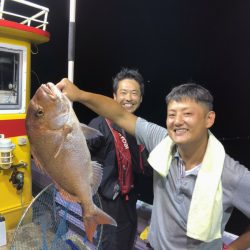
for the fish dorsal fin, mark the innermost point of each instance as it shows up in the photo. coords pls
(96, 177)
(66, 130)
(89, 132)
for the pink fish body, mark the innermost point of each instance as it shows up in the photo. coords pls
(58, 145)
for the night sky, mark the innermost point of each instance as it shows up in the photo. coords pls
(169, 42)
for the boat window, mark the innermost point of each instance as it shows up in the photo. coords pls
(12, 78)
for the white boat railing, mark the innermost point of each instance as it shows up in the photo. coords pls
(31, 14)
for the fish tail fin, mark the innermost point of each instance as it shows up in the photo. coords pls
(91, 222)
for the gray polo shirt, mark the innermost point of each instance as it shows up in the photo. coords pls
(173, 194)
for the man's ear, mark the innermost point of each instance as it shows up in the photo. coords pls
(210, 119)
(114, 96)
(141, 99)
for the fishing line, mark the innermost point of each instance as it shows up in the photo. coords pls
(36, 75)
(236, 138)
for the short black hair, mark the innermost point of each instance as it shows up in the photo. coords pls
(191, 91)
(126, 73)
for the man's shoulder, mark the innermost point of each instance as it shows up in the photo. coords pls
(99, 123)
(97, 118)
(149, 134)
(232, 165)
(141, 122)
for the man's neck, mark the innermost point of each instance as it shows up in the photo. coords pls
(192, 155)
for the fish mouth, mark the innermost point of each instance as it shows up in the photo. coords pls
(51, 90)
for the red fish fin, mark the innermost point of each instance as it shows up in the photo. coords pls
(96, 176)
(90, 132)
(90, 227)
(91, 223)
(66, 130)
(65, 195)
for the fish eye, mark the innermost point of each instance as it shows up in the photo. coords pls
(39, 112)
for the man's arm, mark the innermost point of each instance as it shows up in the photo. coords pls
(242, 242)
(100, 104)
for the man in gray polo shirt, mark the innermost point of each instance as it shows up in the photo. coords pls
(196, 184)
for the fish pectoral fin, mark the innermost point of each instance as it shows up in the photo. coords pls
(89, 132)
(96, 176)
(38, 164)
(59, 149)
(66, 130)
(91, 222)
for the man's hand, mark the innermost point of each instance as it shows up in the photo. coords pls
(102, 105)
(242, 242)
(69, 89)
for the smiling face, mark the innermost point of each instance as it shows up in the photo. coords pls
(128, 94)
(188, 121)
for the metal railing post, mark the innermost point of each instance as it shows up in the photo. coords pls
(1, 9)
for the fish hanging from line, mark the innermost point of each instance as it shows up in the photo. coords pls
(58, 146)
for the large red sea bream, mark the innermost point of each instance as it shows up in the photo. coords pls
(58, 145)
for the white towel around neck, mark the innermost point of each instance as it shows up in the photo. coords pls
(205, 213)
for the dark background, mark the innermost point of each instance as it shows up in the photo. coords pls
(169, 42)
